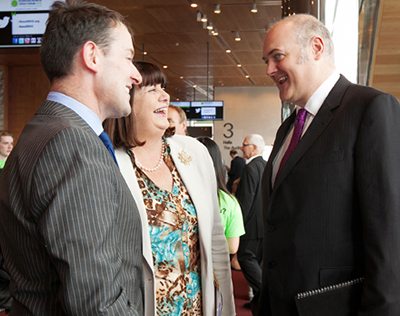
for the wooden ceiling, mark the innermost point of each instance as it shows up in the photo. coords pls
(169, 32)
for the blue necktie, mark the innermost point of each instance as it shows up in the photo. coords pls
(107, 142)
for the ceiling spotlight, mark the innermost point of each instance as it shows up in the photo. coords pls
(239, 65)
(209, 26)
(215, 32)
(254, 9)
(217, 9)
(247, 76)
(203, 18)
(228, 51)
(165, 66)
(237, 37)
(144, 53)
(177, 99)
(193, 5)
(181, 77)
(194, 86)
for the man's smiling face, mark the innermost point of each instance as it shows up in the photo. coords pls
(288, 64)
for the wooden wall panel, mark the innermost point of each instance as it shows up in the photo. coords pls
(3, 97)
(28, 88)
(386, 67)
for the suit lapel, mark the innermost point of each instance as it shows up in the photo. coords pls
(189, 173)
(126, 167)
(280, 137)
(318, 125)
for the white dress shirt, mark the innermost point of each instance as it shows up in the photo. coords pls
(312, 106)
(83, 111)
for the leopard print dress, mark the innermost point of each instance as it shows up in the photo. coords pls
(174, 239)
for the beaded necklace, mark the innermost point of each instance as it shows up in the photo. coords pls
(158, 164)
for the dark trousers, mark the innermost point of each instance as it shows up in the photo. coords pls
(249, 257)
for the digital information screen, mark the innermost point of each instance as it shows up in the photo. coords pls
(23, 22)
(207, 110)
(202, 110)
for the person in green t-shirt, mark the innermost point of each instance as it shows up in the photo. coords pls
(6, 145)
(229, 208)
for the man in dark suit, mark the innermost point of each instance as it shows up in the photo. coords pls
(236, 170)
(249, 195)
(70, 230)
(331, 205)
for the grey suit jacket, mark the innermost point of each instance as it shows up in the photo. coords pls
(70, 230)
(333, 214)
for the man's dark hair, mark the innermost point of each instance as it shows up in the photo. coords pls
(70, 25)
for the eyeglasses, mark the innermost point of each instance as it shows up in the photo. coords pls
(245, 145)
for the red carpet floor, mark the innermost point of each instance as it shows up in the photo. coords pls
(241, 293)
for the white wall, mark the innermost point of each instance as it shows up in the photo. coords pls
(341, 19)
(248, 110)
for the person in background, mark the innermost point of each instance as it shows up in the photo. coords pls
(249, 195)
(229, 208)
(331, 186)
(5, 297)
(6, 145)
(70, 230)
(236, 169)
(177, 119)
(173, 182)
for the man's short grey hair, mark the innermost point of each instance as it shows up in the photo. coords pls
(305, 27)
(257, 140)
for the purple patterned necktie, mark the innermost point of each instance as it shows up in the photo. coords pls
(298, 128)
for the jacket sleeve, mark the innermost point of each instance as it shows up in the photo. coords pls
(377, 158)
(80, 225)
(219, 246)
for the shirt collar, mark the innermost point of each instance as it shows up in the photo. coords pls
(83, 111)
(315, 102)
(252, 158)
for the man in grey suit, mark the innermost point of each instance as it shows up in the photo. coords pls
(331, 186)
(70, 230)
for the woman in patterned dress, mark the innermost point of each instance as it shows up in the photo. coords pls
(173, 182)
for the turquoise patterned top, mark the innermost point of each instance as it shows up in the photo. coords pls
(174, 239)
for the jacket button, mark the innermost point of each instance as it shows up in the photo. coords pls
(271, 228)
(271, 264)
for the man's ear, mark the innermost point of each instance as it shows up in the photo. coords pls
(90, 56)
(318, 47)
